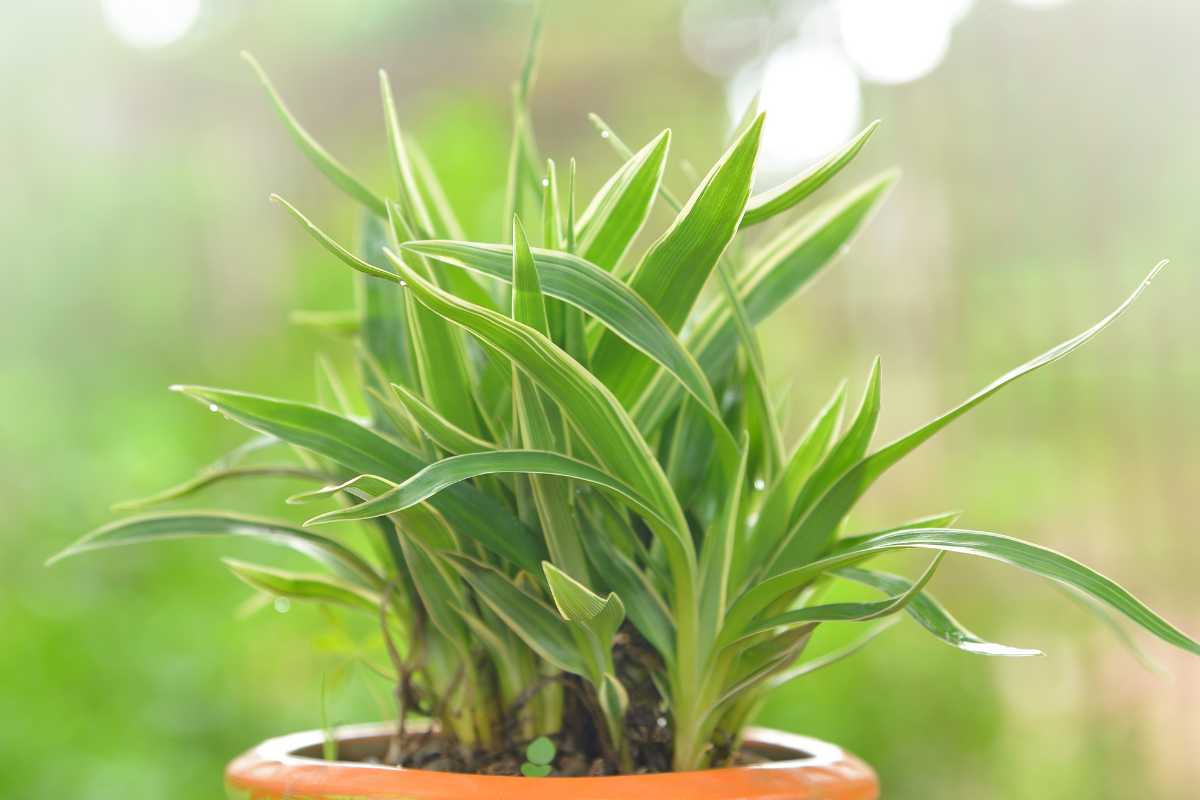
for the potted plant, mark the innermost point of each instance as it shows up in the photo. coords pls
(590, 550)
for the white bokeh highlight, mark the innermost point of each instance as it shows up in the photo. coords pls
(812, 99)
(891, 42)
(150, 23)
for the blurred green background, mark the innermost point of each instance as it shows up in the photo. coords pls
(1050, 152)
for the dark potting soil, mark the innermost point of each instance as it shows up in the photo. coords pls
(581, 748)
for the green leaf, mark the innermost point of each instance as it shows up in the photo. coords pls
(781, 270)
(676, 267)
(333, 247)
(765, 205)
(445, 221)
(1033, 558)
(643, 604)
(818, 527)
(760, 414)
(444, 433)
(716, 555)
(591, 289)
(439, 587)
(441, 360)
(619, 209)
(538, 625)
(297, 586)
(552, 233)
(944, 519)
(848, 612)
(528, 306)
(523, 152)
(412, 203)
(830, 658)
(535, 770)
(540, 751)
(597, 415)
(384, 334)
(445, 474)
(210, 477)
(361, 451)
(602, 616)
(931, 615)
(194, 524)
(551, 496)
(845, 454)
(781, 496)
(321, 159)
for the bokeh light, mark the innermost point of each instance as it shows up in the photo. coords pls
(1039, 3)
(813, 103)
(150, 23)
(893, 42)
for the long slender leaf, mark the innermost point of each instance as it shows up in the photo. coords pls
(785, 267)
(848, 612)
(765, 205)
(361, 451)
(298, 586)
(318, 155)
(814, 444)
(214, 476)
(1033, 558)
(442, 431)
(645, 606)
(536, 623)
(676, 267)
(844, 455)
(597, 415)
(931, 615)
(551, 495)
(591, 289)
(817, 528)
(619, 210)
(448, 472)
(193, 524)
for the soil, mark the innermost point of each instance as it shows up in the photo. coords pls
(581, 749)
(438, 753)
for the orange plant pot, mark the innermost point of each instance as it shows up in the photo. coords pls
(799, 769)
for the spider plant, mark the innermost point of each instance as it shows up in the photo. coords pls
(568, 460)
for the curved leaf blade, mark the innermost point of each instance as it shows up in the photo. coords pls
(589, 288)
(329, 166)
(192, 524)
(765, 205)
(619, 209)
(820, 524)
(299, 586)
(442, 475)
(1033, 558)
(932, 616)
(362, 451)
(676, 267)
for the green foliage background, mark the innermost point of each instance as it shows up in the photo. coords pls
(1048, 164)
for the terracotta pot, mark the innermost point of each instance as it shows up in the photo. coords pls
(290, 767)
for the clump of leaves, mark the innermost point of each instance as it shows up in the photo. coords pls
(577, 492)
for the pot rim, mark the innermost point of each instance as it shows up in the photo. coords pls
(815, 769)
